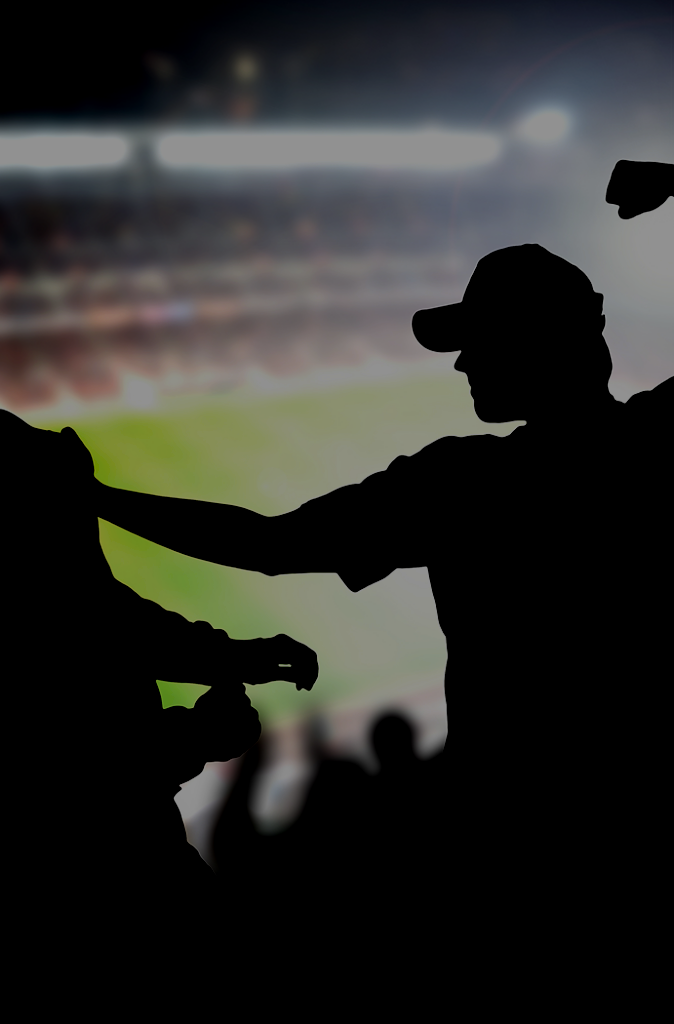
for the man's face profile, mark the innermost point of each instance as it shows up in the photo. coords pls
(502, 362)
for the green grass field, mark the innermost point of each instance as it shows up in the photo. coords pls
(271, 454)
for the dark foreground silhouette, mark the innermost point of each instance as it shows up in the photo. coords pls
(352, 885)
(98, 864)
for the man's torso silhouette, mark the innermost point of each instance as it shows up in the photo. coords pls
(89, 767)
(546, 560)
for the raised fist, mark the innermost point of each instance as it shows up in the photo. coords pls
(638, 187)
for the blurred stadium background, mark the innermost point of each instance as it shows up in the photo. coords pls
(214, 231)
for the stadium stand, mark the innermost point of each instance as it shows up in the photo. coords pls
(112, 276)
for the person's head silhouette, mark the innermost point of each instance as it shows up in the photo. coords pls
(393, 742)
(316, 738)
(530, 334)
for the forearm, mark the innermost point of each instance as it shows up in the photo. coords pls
(169, 646)
(667, 172)
(224, 534)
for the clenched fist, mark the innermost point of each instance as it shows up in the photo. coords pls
(222, 724)
(638, 187)
(269, 658)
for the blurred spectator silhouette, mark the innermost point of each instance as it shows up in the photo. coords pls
(238, 858)
(404, 810)
(234, 833)
(356, 875)
(307, 880)
(324, 845)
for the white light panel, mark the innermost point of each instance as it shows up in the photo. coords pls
(52, 151)
(239, 150)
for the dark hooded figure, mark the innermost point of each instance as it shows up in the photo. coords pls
(97, 858)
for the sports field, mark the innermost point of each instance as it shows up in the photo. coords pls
(270, 453)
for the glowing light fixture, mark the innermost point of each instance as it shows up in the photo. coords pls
(61, 151)
(376, 149)
(544, 127)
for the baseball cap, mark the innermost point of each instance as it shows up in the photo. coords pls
(527, 280)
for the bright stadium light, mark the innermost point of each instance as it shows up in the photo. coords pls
(61, 151)
(544, 127)
(429, 149)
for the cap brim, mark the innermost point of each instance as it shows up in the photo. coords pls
(440, 329)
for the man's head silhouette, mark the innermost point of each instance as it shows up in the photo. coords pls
(393, 742)
(529, 331)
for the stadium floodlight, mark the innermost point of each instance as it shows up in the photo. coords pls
(425, 149)
(61, 151)
(544, 127)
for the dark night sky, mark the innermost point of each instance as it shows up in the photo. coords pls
(150, 60)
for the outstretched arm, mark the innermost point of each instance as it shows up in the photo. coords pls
(362, 531)
(177, 650)
(224, 534)
(360, 548)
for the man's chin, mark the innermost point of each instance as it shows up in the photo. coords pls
(491, 412)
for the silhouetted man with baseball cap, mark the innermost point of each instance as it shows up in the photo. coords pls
(520, 305)
(540, 548)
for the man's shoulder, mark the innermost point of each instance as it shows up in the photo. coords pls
(453, 448)
(28, 456)
(408, 476)
(652, 409)
(17, 436)
(455, 445)
(12, 424)
(658, 397)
